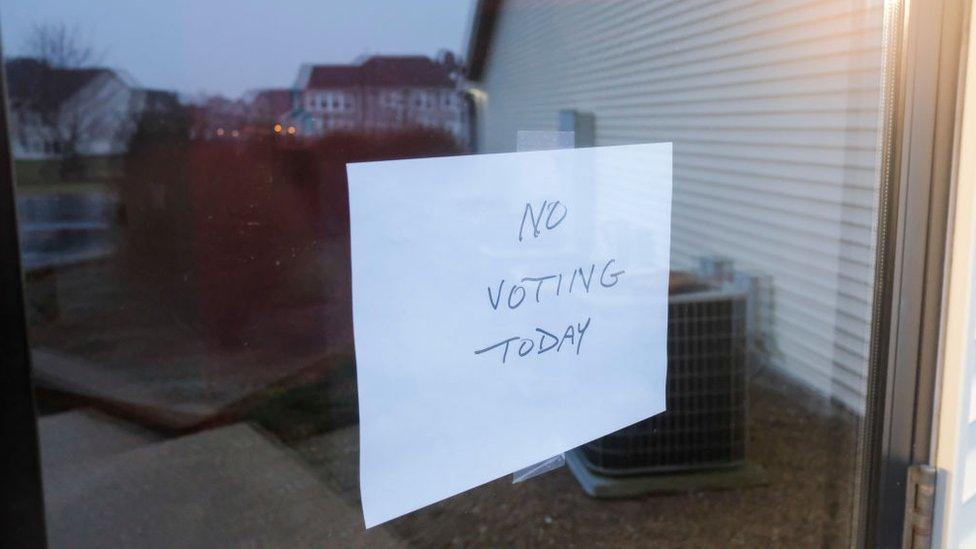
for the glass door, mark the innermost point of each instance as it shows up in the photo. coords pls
(183, 207)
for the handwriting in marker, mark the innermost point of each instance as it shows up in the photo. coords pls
(542, 343)
(547, 287)
(553, 212)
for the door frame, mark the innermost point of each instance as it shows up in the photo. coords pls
(924, 59)
(22, 509)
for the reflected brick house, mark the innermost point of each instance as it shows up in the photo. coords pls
(380, 94)
(218, 117)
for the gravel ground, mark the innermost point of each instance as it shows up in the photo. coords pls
(805, 444)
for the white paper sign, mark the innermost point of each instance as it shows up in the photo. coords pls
(507, 308)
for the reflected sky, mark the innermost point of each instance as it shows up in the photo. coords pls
(229, 47)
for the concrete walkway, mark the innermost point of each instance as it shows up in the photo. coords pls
(151, 395)
(109, 484)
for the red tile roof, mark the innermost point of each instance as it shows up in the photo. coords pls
(334, 76)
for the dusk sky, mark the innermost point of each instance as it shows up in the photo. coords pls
(229, 47)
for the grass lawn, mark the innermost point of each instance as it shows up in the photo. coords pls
(43, 176)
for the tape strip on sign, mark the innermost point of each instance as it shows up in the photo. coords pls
(542, 140)
(506, 308)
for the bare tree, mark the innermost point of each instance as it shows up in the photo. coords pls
(57, 55)
(60, 46)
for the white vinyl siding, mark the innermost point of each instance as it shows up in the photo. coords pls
(773, 108)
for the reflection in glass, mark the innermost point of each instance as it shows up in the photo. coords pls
(187, 257)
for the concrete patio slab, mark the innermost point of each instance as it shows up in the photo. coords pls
(79, 437)
(225, 487)
(169, 401)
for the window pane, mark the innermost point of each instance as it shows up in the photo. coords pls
(184, 216)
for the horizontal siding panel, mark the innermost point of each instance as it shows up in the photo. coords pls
(704, 102)
(641, 26)
(825, 377)
(680, 78)
(815, 286)
(721, 44)
(830, 79)
(820, 180)
(854, 208)
(814, 215)
(631, 130)
(705, 207)
(844, 158)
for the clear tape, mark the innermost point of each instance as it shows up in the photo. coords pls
(540, 140)
(544, 466)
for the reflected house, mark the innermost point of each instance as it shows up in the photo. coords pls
(256, 113)
(775, 163)
(57, 112)
(265, 107)
(379, 94)
(71, 125)
(219, 118)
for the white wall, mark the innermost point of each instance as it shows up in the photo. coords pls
(955, 421)
(105, 113)
(102, 114)
(773, 108)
